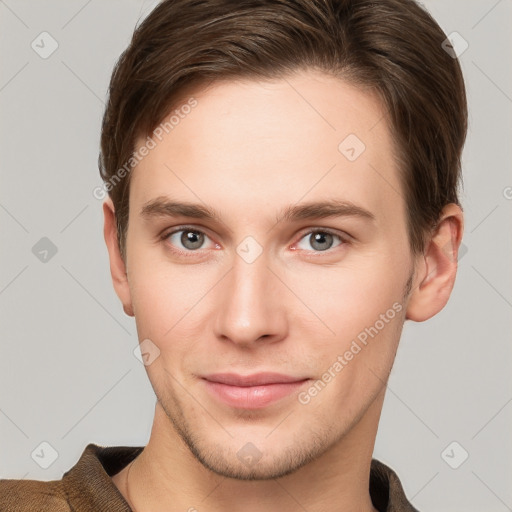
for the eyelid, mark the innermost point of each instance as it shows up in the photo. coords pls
(169, 231)
(176, 229)
(343, 236)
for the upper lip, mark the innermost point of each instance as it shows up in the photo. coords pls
(256, 379)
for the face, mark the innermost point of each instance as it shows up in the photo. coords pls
(291, 257)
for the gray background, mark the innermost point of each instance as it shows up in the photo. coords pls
(68, 375)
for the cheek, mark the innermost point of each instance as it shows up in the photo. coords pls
(361, 317)
(352, 363)
(348, 299)
(169, 300)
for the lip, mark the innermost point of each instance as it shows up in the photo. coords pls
(252, 391)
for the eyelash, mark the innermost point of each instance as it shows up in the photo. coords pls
(189, 253)
(343, 239)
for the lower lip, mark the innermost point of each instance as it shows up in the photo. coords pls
(252, 397)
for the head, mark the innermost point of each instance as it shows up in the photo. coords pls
(283, 194)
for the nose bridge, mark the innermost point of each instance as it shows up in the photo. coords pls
(250, 306)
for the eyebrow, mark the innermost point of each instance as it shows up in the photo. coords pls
(164, 207)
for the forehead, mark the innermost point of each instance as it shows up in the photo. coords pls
(273, 142)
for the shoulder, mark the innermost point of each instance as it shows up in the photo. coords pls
(87, 486)
(386, 490)
(32, 495)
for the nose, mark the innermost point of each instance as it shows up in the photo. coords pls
(251, 305)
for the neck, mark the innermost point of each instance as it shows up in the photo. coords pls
(166, 476)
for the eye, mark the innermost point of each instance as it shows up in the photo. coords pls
(187, 239)
(320, 240)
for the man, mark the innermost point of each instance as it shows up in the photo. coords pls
(282, 195)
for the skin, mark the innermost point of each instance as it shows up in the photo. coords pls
(248, 150)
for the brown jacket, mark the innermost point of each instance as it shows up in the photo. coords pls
(87, 486)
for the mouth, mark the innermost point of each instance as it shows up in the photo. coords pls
(254, 391)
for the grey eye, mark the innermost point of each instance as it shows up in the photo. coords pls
(189, 239)
(319, 241)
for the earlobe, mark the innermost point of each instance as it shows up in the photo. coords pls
(117, 264)
(438, 269)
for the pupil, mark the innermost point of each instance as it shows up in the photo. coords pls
(321, 238)
(191, 239)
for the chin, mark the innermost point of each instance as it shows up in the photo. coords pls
(268, 467)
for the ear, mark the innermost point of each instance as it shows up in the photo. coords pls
(438, 268)
(117, 265)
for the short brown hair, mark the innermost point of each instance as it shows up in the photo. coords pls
(391, 46)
